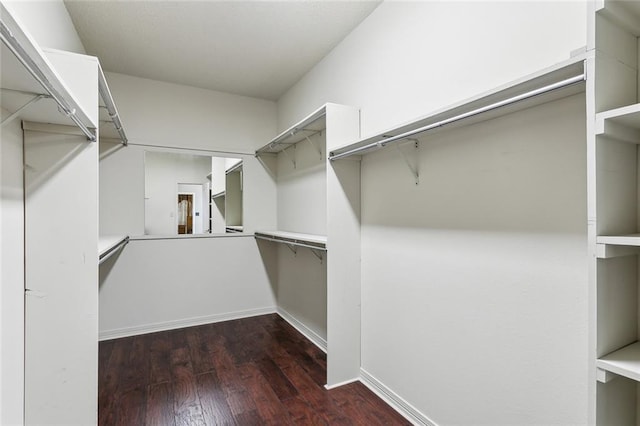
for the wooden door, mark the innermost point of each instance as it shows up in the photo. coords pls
(185, 213)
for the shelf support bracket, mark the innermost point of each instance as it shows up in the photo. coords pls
(22, 108)
(293, 160)
(317, 148)
(292, 248)
(318, 254)
(412, 169)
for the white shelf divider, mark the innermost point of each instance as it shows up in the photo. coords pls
(624, 362)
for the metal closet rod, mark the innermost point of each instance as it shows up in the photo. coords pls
(21, 54)
(477, 111)
(105, 94)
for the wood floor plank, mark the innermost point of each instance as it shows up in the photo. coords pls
(302, 413)
(252, 371)
(237, 396)
(131, 407)
(159, 405)
(268, 405)
(159, 363)
(200, 357)
(188, 411)
(281, 386)
(213, 399)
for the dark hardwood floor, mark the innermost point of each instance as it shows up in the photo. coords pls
(252, 371)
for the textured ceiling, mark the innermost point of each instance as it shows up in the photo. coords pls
(251, 48)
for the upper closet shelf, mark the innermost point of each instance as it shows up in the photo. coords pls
(624, 362)
(302, 131)
(562, 80)
(622, 124)
(34, 91)
(30, 82)
(316, 242)
(109, 112)
(109, 245)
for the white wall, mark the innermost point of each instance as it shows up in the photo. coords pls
(11, 274)
(173, 115)
(409, 58)
(474, 283)
(48, 22)
(162, 284)
(196, 121)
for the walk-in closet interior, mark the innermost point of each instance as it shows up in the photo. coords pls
(444, 199)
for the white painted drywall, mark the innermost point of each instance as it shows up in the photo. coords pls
(11, 274)
(409, 58)
(483, 270)
(48, 22)
(302, 189)
(163, 284)
(173, 115)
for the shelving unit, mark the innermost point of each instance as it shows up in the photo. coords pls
(614, 223)
(317, 204)
(233, 198)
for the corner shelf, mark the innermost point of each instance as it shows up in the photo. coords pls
(316, 242)
(309, 126)
(218, 195)
(109, 245)
(624, 362)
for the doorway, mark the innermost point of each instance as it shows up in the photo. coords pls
(185, 213)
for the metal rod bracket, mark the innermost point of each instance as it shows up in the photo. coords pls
(413, 169)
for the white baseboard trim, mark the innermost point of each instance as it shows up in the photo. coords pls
(394, 400)
(187, 322)
(337, 385)
(315, 338)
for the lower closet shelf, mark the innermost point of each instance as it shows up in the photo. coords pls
(317, 242)
(620, 240)
(109, 245)
(624, 362)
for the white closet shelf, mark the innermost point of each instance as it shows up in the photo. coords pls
(621, 123)
(620, 240)
(310, 125)
(235, 228)
(32, 88)
(624, 362)
(236, 167)
(559, 81)
(316, 242)
(219, 194)
(109, 245)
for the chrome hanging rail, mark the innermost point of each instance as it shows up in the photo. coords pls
(105, 94)
(515, 99)
(27, 52)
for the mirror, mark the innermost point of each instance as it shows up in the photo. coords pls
(191, 194)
